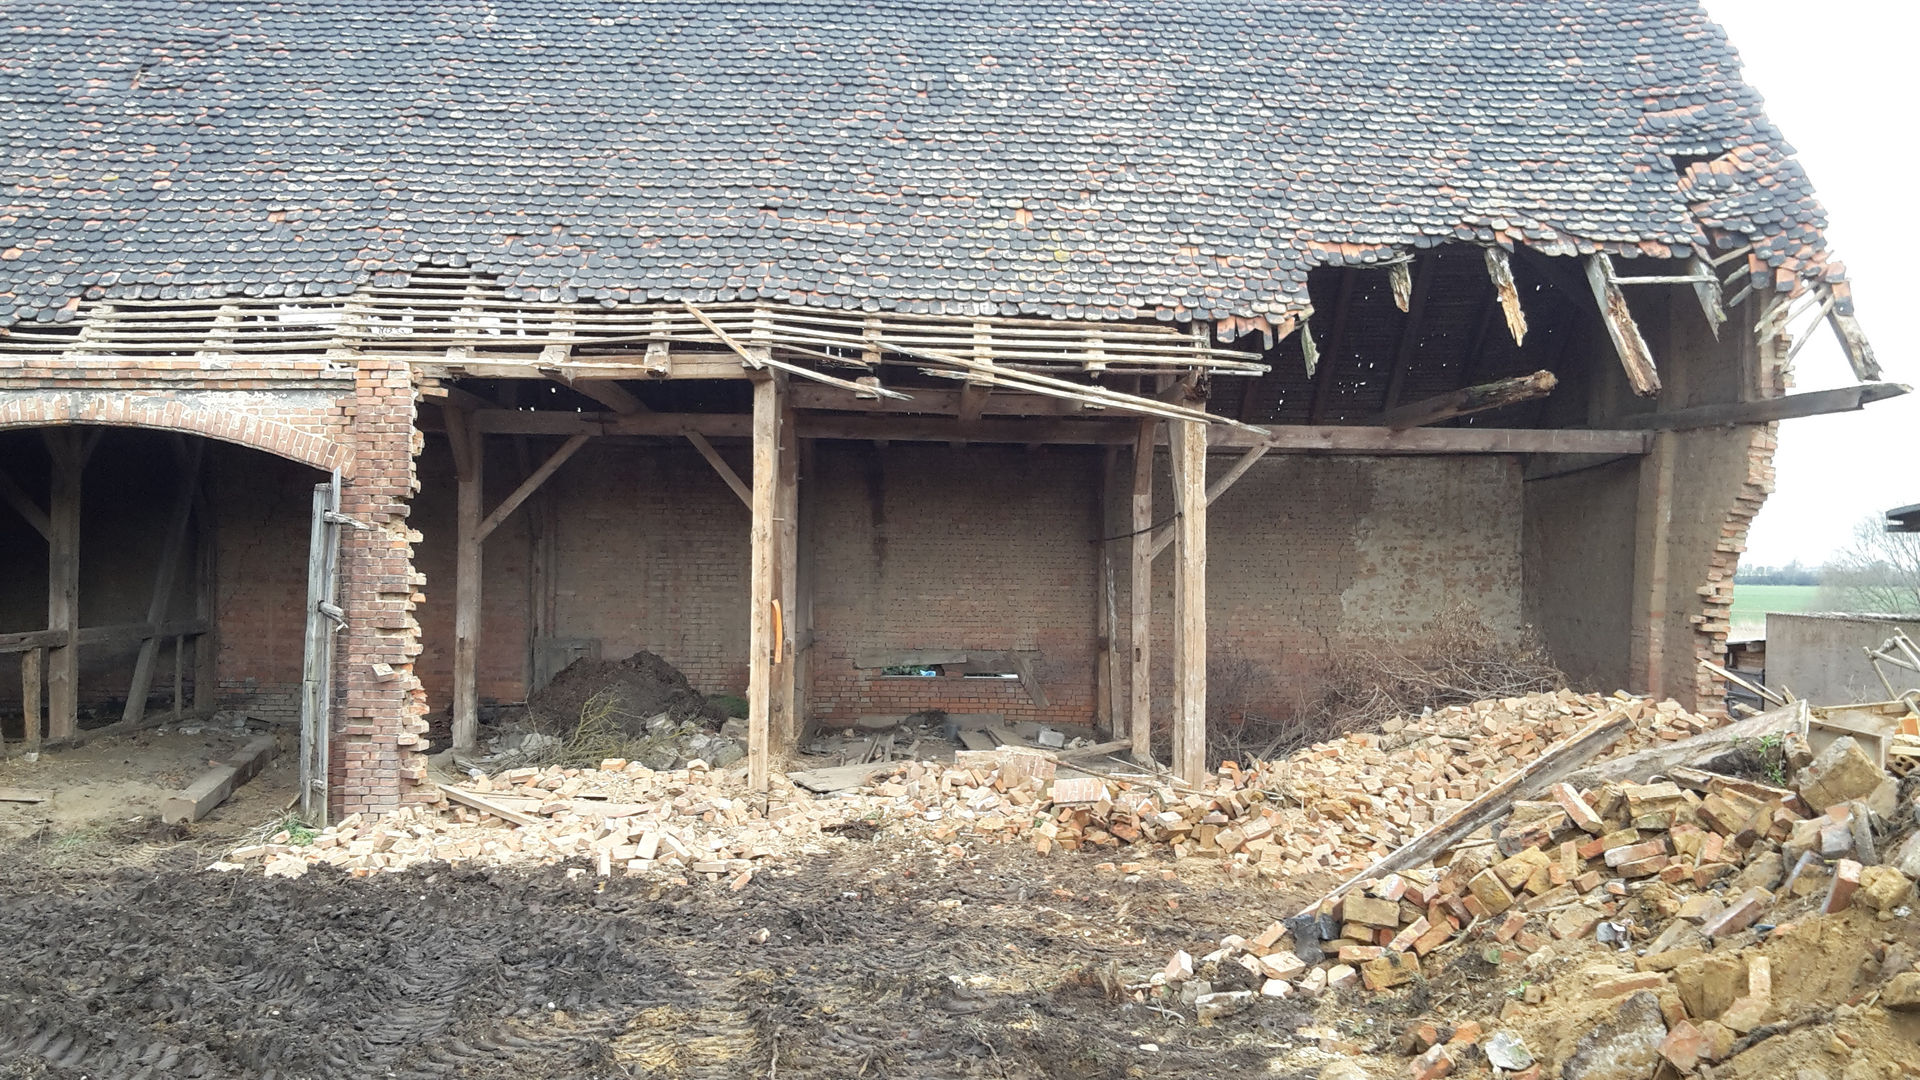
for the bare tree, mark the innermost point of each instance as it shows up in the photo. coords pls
(1879, 573)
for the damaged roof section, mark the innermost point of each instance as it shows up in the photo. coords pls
(1069, 158)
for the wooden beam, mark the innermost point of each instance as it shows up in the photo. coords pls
(763, 587)
(1214, 490)
(1551, 767)
(1853, 342)
(172, 552)
(69, 453)
(720, 466)
(1500, 270)
(1635, 358)
(1380, 440)
(13, 496)
(116, 634)
(206, 645)
(1140, 595)
(469, 457)
(531, 484)
(1706, 289)
(1336, 341)
(1105, 621)
(1767, 410)
(1469, 400)
(786, 539)
(1190, 603)
(555, 422)
(935, 401)
(609, 393)
(1410, 331)
(32, 680)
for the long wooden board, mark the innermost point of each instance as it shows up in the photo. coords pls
(1543, 772)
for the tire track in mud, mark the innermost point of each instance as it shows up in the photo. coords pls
(464, 973)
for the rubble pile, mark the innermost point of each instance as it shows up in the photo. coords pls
(1686, 883)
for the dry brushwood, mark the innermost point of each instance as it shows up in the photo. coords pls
(1455, 658)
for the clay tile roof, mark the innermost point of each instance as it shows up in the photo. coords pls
(1076, 158)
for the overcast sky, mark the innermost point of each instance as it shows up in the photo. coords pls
(1839, 80)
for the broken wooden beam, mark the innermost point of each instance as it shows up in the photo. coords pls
(1500, 270)
(481, 802)
(1635, 358)
(1469, 400)
(1767, 410)
(212, 788)
(1550, 768)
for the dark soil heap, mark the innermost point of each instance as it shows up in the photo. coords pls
(641, 687)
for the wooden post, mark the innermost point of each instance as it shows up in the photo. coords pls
(469, 468)
(1140, 598)
(32, 664)
(1189, 442)
(1104, 620)
(787, 574)
(179, 676)
(172, 552)
(206, 669)
(1654, 512)
(762, 592)
(68, 448)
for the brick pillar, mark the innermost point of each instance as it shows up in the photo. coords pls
(379, 714)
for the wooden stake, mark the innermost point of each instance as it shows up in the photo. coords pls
(469, 457)
(68, 448)
(1190, 618)
(1140, 597)
(762, 593)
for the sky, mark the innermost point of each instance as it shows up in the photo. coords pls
(1838, 80)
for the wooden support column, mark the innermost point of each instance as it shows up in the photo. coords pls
(33, 664)
(763, 591)
(206, 668)
(469, 468)
(1189, 445)
(1140, 597)
(173, 550)
(1105, 622)
(1652, 544)
(786, 540)
(68, 447)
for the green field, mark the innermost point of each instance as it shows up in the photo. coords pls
(1752, 602)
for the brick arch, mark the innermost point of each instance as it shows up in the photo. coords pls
(117, 409)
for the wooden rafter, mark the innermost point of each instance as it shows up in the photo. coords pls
(1500, 271)
(1410, 332)
(1336, 342)
(1635, 358)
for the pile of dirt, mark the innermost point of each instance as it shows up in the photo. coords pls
(635, 690)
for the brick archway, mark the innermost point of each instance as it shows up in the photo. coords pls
(42, 408)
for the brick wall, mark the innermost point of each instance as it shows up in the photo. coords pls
(358, 419)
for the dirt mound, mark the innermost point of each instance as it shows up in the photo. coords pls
(637, 689)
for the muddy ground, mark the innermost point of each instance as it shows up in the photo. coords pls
(866, 962)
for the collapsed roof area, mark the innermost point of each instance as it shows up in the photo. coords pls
(721, 255)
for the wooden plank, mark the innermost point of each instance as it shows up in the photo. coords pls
(973, 739)
(1635, 358)
(532, 484)
(1555, 765)
(470, 468)
(1140, 596)
(63, 580)
(1500, 270)
(213, 787)
(1643, 766)
(1468, 400)
(838, 777)
(173, 549)
(1190, 614)
(483, 803)
(739, 486)
(25, 795)
(762, 591)
(12, 494)
(1767, 410)
(1214, 490)
(32, 666)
